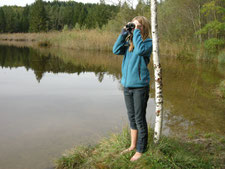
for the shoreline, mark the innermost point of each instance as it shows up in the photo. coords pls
(164, 155)
(194, 151)
(73, 39)
(94, 40)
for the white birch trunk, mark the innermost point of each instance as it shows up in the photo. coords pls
(157, 73)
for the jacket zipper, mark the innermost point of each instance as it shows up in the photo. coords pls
(139, 71)
(127, 72)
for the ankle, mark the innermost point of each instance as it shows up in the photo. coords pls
(132, 147)
(138, 153)
(136, 156)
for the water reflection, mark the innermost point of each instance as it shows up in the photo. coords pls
(189, 95)
(29, 58)
(38, 121)
(190, 102)
(75, 97)
(68, 106)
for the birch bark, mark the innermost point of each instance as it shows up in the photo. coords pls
(157, 73)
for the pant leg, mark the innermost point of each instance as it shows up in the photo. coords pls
(140, 104)
(129, 101)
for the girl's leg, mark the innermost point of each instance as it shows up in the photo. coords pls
(134, 135)
(140, 104)
(128, 96)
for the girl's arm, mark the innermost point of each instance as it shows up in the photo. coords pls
(119, 47)
(142, 48)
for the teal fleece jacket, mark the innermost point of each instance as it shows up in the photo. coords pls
(135, 72)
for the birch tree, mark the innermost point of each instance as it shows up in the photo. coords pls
(157, 73)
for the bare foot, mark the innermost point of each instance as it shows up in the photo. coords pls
(136, 156)
(127, 150)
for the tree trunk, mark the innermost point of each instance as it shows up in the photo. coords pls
(157, 73)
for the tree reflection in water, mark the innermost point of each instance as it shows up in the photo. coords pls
(190, 103)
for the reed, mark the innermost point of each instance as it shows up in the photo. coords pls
(98, 40)
(74, 39)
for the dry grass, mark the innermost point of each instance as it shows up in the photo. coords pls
(177, 49)
(220, 90)
(97, 40)
(73, 39)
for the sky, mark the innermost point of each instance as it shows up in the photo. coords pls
(24, 2)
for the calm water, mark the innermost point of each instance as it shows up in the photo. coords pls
(54, 99)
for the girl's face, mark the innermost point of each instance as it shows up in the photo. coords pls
(138, 25)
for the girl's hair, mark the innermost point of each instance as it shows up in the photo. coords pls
(146, 29)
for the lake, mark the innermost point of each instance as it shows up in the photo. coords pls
(52, 99)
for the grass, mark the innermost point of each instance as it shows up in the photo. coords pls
(220, 90)
(73, 39)
(97, 40)
(206, 151)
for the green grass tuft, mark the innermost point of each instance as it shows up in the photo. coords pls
(202, 152)
(44, 43)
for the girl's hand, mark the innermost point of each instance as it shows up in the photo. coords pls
(124, 31)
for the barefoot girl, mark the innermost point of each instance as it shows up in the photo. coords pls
(136, 46)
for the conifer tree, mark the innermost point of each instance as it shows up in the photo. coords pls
(38, 17)
(25, 19)
(2, 21)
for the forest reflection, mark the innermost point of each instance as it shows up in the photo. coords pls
(44, 61)
(190, 102)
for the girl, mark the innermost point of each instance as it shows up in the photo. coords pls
(136, 46)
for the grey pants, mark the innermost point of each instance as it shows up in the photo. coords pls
(136, 102)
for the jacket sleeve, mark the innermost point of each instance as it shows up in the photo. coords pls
(142, 48)
(119, 47)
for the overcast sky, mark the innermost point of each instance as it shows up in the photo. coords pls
(24, 2)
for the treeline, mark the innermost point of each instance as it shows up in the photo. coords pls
(189, 22)
(45, 16)
(193, 21)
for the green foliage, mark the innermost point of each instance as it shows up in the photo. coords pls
(221, 58)
(222, 88)
(143, 9)
(125, 15)
(179, 21)
(77, 26)
(12, 18)
(214, 29)
(38, 17)
(45, 16)
(211, 7)
(213, 44)
(65, 28)
(2, 21)
(25, 20)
